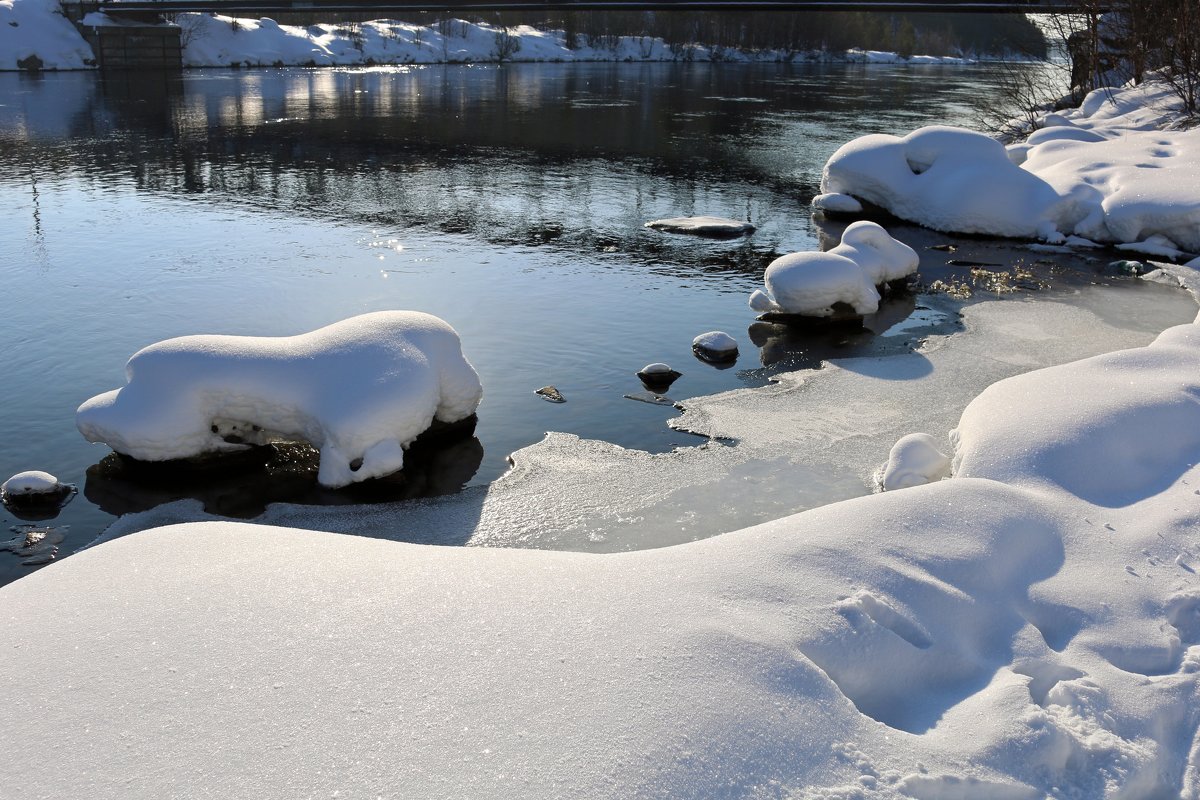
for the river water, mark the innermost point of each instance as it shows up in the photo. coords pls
(508, 200)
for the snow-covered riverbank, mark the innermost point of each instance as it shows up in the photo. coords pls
(37, 28)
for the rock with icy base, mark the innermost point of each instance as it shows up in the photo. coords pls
(914, 461)
(360, 390)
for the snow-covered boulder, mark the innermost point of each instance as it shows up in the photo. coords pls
(711, 227)
(945, 178)
(914, 461)
(715, 346)
(35, 489)
(809, 284)
(883, 258)
(360, 390)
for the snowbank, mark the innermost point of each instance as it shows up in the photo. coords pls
(360, 390)
(996, 635)
(223, 41)
(35, 35)
(1108, 172)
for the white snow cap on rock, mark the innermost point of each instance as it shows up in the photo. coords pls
(715, 343)
(702, 226)
(810, 283)
(32, 482)
(882, 257)
(360, 390)
(914, 461)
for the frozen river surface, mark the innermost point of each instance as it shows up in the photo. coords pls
(509, 201)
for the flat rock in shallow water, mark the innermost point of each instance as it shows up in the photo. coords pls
(712, 227)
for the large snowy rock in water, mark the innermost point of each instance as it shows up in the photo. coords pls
(883, 258)
(809, 284)
(948, 179)
(360, 390)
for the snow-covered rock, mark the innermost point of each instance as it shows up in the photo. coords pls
(658, 377)
(360, 390)
(713, 227)
(715, 346)
(914, 461)
(35, 492)
(883, 258)
(31, 482)
(809, 284)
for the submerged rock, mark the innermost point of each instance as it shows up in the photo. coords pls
(711, 227)
(715, 347)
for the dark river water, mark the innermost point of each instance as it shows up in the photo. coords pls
(509, 200)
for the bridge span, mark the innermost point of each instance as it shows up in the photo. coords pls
(142, 7)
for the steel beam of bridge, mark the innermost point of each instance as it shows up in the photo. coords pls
(119, 7)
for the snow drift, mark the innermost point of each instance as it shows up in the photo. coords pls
(360, 390)
(1108, 172)
(943, 641)
(34, 34)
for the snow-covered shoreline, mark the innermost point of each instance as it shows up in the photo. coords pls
(37, 28)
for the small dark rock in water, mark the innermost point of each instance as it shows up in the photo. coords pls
(1128, 267)
(551, 394)
(716, 347)
(658, 377)
(948, 248)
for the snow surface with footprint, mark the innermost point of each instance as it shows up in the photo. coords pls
(1029, 628)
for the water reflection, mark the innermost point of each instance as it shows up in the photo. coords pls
(575, 159)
